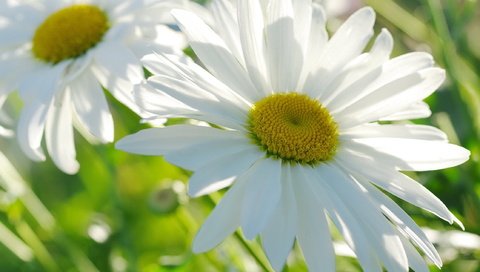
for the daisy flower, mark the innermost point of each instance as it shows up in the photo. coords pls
(296, 133)
(59, 55)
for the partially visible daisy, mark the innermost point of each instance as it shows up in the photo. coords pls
(59, 55)
(296, 133)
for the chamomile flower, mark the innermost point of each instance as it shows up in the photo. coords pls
(296, 133)
(59, 55)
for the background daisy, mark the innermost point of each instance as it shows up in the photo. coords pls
(297, 135)
(59, 55)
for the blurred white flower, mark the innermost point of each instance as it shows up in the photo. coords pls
(296, 132)
(59, 55)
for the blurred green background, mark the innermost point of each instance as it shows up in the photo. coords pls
(124, 212)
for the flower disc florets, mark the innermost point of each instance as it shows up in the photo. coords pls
(294, 127)
(69, 33)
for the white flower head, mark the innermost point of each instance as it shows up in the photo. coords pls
(296, 133)
(59, 55)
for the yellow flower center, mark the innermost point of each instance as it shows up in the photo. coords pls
(69, 33)
(293, 127)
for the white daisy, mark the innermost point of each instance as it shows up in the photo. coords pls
(296, 133)
(59, 55)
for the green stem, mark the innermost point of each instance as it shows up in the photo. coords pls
(401, 18)
(254, 251)
(78, 257)
(39, 250)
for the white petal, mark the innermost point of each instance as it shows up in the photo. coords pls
(402, 66)
(302, 10)
(91, 107)
(42, 84)
(30, 129)
(159, 64)
(279, 234)
(119, 61)
(159, 38)
(318, 38)
(413, 111)
(403, 221)
(223, 220)
(202, 153)
(359, 70)
(392, 70)
(415, 261)
(419, 132)
(217, 174)
(284, 54)
(185, 70)
(14, 34)
(263, 194)
(214, 54)
(382, 236)
(251, 27)
(352, 229)
(388, 178)
(59, 135)
(226, 23)
(77, 67)
(346, 44)
(15, 68)
(198, 99)
(161, 141)
(7, 133)
(392, 97)
(418, 155)
(313, 233)
(159, 103)
(4, 119)
(118, 74)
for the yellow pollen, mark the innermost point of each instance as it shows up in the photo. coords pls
(69, 33)
(294, 127)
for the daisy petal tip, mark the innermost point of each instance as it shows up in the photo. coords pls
(458, 222)
(442, 73)
(123, 144)
(197, 249)
(193, 192)
(199, 246)
(463, 154)
(368, 12)
(250, 232)
(35, 154)
(108, 139)
(71, 169)
(387, 34)
(277, 264)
